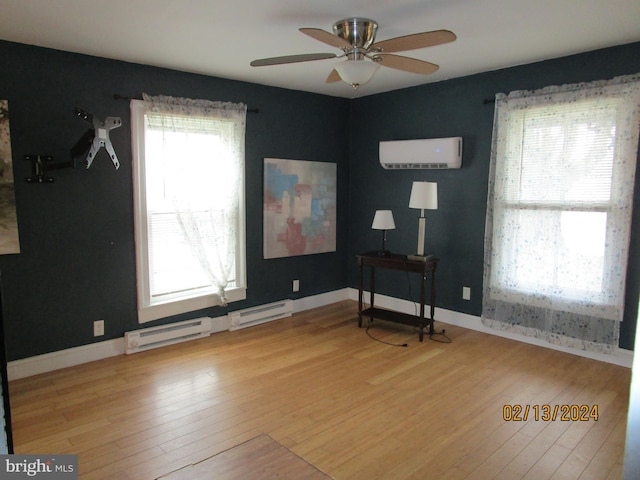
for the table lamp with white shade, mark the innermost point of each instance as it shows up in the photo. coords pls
(383, 220)
(424, 195)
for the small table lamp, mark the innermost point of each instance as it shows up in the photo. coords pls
(424, 195)
(383, 220)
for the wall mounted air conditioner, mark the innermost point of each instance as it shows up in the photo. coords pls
(424, 153)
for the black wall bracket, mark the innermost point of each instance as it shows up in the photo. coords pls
(43, 163)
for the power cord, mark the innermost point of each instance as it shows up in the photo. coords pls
(415, 309)
(441, 337)
(440, 334)
(382, 341)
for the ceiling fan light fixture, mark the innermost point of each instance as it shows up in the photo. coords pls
(356, 72)
(355, 37)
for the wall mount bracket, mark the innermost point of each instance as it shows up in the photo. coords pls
(100, 138)
(41, 164)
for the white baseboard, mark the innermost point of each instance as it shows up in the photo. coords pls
(219, 324)
(49, 362)
(320, 300)
(621, 357)
(70, 357)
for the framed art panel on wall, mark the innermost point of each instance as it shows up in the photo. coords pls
(299, 207)
(9, 242)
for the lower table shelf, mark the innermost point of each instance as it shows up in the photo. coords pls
(396, 317)
(374, 260)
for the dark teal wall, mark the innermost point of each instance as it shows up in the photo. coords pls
(455, 232)
(77, 260)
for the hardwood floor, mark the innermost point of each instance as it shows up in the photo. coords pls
(352, 407)
(261, 457)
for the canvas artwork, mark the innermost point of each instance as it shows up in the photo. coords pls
(9, 242)
(299, 207)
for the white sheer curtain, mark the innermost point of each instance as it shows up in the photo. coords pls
(202, 152)
(559, 211)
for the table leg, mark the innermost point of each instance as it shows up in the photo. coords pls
(422, 302)
(372, 286)
(361, 267)
(433, 302)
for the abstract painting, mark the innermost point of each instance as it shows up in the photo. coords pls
(299, 207)
(9, 242)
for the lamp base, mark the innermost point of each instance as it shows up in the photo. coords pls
(420, 258)
(384, 253)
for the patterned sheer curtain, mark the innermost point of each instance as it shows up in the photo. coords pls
(202, 156)
(559, 212)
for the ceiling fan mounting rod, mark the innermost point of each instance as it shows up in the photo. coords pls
(359, 32)
(356, 54)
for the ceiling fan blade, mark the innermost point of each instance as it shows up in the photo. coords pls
(304, 57)
(406, 64)
(334, 76)
(326, 37)
(414, 41)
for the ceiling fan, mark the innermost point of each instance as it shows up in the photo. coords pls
(356, 37)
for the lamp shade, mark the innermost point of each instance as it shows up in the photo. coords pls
(424, 195)
(383, 220)
(356, 72)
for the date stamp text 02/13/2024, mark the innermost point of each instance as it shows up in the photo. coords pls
(546, 413)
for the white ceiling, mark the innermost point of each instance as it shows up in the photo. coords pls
(221, 37)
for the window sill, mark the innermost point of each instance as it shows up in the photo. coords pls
(176, 307)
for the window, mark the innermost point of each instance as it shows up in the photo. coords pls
(559, 212)
(189, 204)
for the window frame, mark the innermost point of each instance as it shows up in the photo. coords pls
(517, 134)
(509, 144)
(174, 304)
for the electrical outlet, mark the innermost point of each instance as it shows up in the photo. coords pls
(98, 328)
(466, 293)
(296, 285)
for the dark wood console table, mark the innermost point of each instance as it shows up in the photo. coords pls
(398, 262)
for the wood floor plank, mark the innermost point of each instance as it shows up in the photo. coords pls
(353, 407)
(260, 457)
(604, 460)
(546, 466)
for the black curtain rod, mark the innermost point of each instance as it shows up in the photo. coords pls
(117, 96)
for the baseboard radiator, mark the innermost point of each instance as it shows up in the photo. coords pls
(261, 314)
(154, 337)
